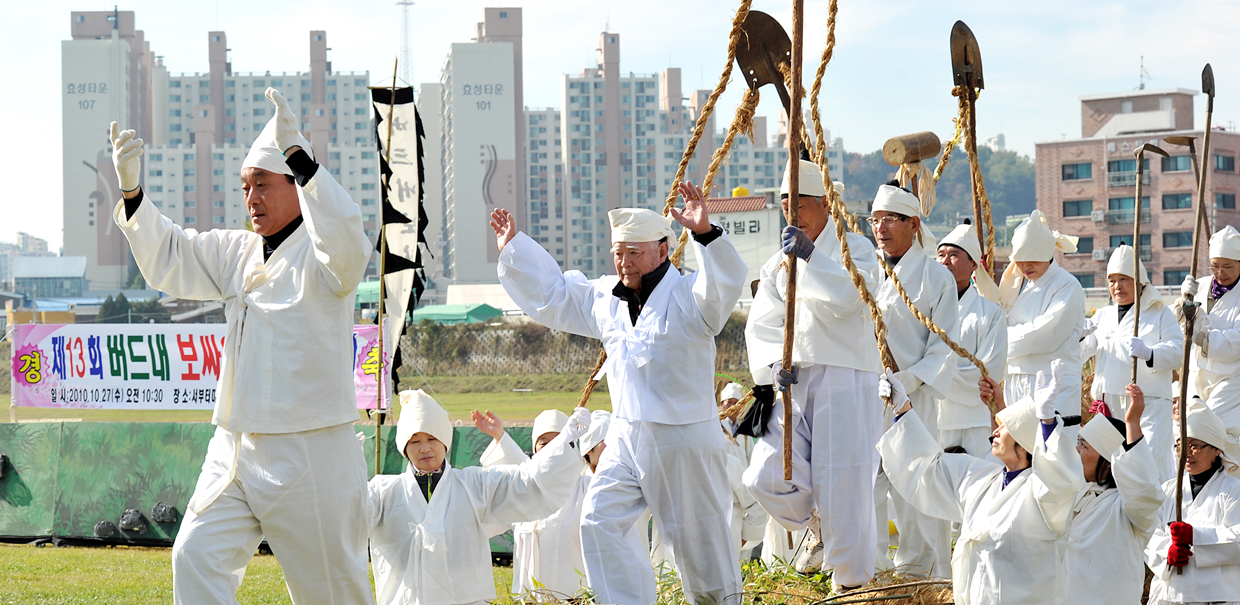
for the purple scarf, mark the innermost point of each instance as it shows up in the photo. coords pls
(1217, 290)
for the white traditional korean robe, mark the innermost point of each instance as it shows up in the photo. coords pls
(439, 553)
(548, 551)
(925, 542)
(1213, 572)
(1113, 370)
(1006, 551)
(285, 400)
(964, 419)
(1104, 559)
(1044, 324)
(1216, 375)
(836, 411)
(664, 448)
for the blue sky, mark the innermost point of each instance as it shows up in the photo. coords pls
(891, 73)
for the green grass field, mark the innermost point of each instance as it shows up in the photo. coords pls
(510, 406)
(129, 575)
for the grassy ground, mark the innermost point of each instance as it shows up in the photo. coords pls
(133, 576)
(510, 406)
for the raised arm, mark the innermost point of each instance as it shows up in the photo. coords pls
(333, 220)
(720, 278)
(558, 300)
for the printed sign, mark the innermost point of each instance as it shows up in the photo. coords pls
(143, 366)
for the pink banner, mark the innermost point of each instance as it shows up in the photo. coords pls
(142, 366)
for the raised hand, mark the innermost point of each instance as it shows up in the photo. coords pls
(797, 243)
(694, 217)
(578, 424)
(288, 125)
(125, 153)
(488, 423)
(505, 227)
(1132, 417)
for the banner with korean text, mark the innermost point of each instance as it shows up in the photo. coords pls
(142, 366)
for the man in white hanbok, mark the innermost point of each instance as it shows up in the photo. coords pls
(285, 401)
(430, 526)
(1206, 544)
(1010, 515)
(547, 561)
(665, 450)
(1216, 354)
(1045, 312)
(1103, 561)
(1158, 350)
(964, 419)
(836, 413)
(927, 365)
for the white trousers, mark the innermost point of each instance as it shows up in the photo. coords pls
(837, 420)
(304, 491)
(1157, 428)
(925, 542)
(680, 473)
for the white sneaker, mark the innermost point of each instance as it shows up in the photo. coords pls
(810, 559)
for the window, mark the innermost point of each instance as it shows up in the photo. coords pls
(305, 98)
(1117, 240)
(174, 84)
(331, 82)
(259, 111)
(1086, 279)
(359, 82)
(204, 98)
(174, 113)
(156, 172)
(1177, 163)
(260, 84)
(1174, 277)
(190, 188)
(1125, 203)
(1176, 201)
(333, 155)
(367, 186)
(1085, 245)
(504, 15)
(359, 125)
(190, 172)
(1226, 201)
(368, 155)
(190, 204)
(190, 220)
(217, 172)
(157, 157)
(174, 98)
(218, 157)
(218, 220)
(1127, 165)
(1077, 207)
(1225, 163)
(1177, 239)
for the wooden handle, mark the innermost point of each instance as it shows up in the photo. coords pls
(909, 148)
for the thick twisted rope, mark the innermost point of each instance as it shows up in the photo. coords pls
(733, 39)
(930, 325)
(950, 146)
(832, 11)
(981, 201)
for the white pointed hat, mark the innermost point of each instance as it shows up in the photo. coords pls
(965, 237)
(1102, 434)
(600, 421)
(636, 225)
(1225, 243)
(731, 391)
(809, 180)
(549, 421)
(420, 413)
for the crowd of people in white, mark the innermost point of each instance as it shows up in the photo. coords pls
(1024, 505)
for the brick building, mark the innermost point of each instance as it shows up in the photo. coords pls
(1087, 186)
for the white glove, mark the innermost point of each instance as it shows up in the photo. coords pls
(910, 381)
(125, 153)
(1201, 338)
(1091, 326)
(288, 130)
(361, 438)
(1188, 289)
(1135, 347)
(1046, 389)
(578, 424)
(889, 385)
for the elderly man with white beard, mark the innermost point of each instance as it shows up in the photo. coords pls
(836, 413)
(283, 463)
(926, 363)
(665, 450)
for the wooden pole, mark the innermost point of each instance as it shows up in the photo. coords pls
(380, 413)
(971, 149)
(1136, 258)
(794, 200)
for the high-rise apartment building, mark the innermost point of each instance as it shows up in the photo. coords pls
(198, 127)
(1087, 186)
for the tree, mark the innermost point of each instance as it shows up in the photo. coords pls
(150, 310)
(114, 311)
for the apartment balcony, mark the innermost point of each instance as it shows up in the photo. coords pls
(1126, 179)
(1121, 217)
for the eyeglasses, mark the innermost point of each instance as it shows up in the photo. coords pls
(1221, 268)
(1193, 448)
(885, 221)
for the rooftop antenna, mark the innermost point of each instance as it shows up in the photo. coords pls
(406, 46)
(1145, 75)
(116, 17)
